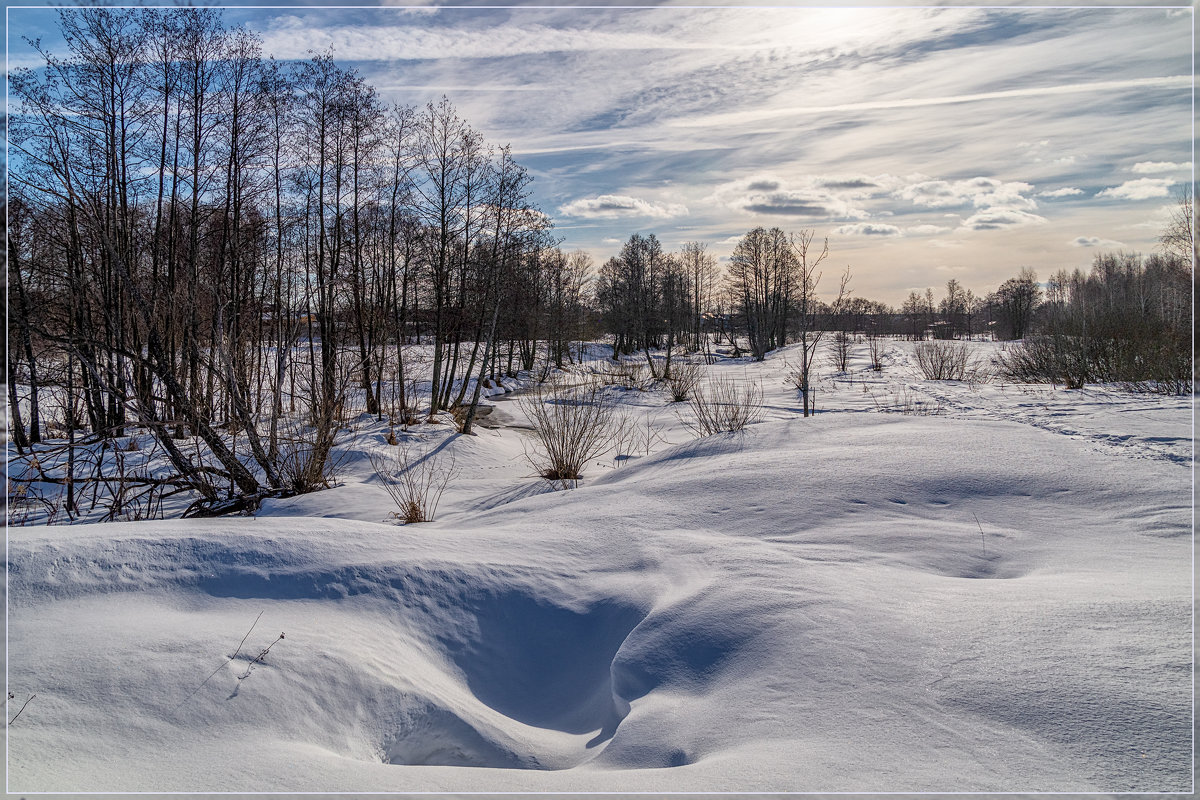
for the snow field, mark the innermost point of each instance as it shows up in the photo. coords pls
(996, 597)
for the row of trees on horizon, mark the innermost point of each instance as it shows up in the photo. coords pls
(208, 244)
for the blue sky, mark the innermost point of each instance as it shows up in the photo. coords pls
(926, 143)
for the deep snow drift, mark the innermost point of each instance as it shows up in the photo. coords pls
(997, 597)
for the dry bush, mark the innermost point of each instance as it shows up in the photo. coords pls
(637, 436)
(875, 347)
(904, 402)
(794, 376)
(415, 482)
(570, 427)
(683, 380)
(307, 460)
(725, 406)
(949, 361)
(638, 377)
(632, 375)
(1137, 364)
(1046, 359)
(839, 351)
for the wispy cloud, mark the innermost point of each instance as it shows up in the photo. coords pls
(294, 36)
(869, 122)
(745, 117)
(813, 199)
(927, 230)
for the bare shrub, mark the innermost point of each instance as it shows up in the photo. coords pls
(949, 361)
(1046, 359)
(905, 402)
(875, 348)
(794, 376)
(570, 427)
(725, 406)
(637, 377)
(307, 460)
(683, 380)
(626, 374)
(1135, 364)
(839, 351)
(415, 481)
(637, 436)
(28, 504)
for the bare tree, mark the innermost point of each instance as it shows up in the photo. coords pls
(704, 274)
(1178, 239)
(764, 271)
(808, 306)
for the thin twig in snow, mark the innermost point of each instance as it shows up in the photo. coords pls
(259, 658)
(10, 697)
(982, 538)
(218, 669)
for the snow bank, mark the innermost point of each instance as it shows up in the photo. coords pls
(854, 602)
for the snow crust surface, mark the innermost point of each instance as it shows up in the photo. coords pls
(994, 597)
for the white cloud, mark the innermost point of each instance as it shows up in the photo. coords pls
(1151, 167)
(869, 229)
(1001, 217)
(979, 192)
(1066, 191)
(928, 230)
(1140, 189)
(813, 197)
(1093, 241)
(612, 206)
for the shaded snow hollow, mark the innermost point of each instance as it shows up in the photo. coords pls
(860, 601)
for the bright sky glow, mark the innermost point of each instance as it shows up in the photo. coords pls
(927, 143)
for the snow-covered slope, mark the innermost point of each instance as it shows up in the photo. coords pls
(858, 601)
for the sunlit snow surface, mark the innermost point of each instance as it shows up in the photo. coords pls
(995, 597)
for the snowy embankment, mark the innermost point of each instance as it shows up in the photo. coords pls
(860, 601)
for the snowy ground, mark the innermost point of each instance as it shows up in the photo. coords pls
(924, 587)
